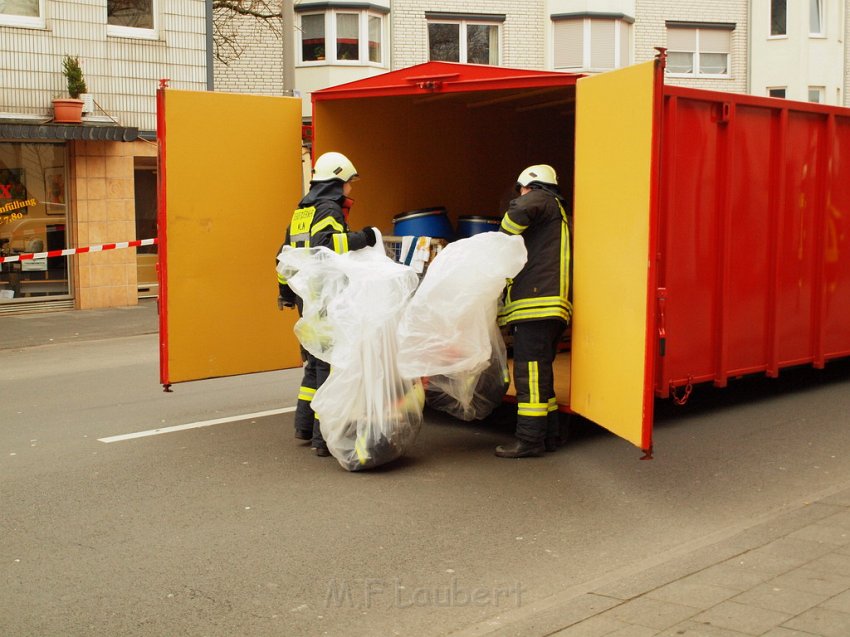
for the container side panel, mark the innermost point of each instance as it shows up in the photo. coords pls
(234, 166)
(836, 323)
(797, 255)
(690, 167)
(614, 136)
(747, 250)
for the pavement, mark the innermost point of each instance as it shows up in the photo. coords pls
(784, 574)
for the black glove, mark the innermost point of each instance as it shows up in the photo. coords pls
(369, 234)
(286, 297)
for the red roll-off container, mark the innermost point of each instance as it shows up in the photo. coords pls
(712, 230)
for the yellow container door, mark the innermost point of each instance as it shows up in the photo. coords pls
(229, 179)
(612, 359)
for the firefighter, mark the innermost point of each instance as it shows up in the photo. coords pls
(321, 219)
(537, 308)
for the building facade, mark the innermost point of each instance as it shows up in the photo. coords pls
(76, 185)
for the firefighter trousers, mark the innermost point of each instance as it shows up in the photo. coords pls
(535, 345)
(306, 423)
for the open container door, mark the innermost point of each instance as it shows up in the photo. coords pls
(617, 128)
(229, 176)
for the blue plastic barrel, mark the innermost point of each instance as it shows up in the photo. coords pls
(476, 224)
(427, 222)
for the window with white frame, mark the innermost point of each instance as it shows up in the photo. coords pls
(341, 36)
(22, 13)
(778, 17)
(131, 18)
(817, 94)
(816, 17)
(777, 91)
(592, 43)
(468, 39)
(699, 51)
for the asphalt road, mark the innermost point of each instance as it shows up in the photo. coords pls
(237, 529)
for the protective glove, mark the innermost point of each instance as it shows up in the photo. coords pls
(286, 297)
(369, 234)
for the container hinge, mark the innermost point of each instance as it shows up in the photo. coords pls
(725, 113)
(681, 400)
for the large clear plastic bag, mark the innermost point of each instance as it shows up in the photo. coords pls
(474, 394)
(369, 413)
(448, 331)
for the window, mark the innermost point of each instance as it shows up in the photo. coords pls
(356, 37)
(816, 17)
(471, 42)
(778, 17)
(34, 202)
(131, 18)
(817, 94)
(698, 52)
(776, 92)
(592, 43)
(22, 13)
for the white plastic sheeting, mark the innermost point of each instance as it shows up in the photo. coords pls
(448, 331)
(369, 413)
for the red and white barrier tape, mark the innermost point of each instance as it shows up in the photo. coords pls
(70, 251)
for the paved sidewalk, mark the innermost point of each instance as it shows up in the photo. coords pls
(18, 331)
(784, 575)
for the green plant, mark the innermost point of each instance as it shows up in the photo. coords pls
(74, 74)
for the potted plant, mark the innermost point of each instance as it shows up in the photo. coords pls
(70, 111)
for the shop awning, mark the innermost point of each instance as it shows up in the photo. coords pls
(69, 132)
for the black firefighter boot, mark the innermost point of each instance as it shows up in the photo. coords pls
(520, 449)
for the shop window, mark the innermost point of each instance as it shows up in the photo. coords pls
(584, 43)
(816, 17)
(778, 17)
(698, 52)
(131, 18)
(22, 13)
(33, 217)
(463, 40)
(356, 37)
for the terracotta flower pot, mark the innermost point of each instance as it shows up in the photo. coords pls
(67, 111)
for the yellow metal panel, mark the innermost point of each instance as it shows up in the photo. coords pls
(614, 118)
(232, 165)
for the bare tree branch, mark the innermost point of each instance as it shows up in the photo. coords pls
(229, 16)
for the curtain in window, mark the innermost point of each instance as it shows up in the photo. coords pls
(569, 44)
(28, 8)
(714, 47)
(347, 36)
(130, 13)
(815, 23)
(375, 31)
(313, 37)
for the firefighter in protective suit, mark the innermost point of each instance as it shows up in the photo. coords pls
(321, 219)
(537, 307)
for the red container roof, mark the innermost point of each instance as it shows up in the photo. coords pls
(445, 77)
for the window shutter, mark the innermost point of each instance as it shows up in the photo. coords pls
(715, 40)
(625, 43)
(569, 44)
(602, 44)
(681, 39)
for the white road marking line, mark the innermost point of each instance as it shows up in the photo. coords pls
(195, 425)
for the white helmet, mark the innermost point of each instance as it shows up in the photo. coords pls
(334, 166)
(541, 173)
